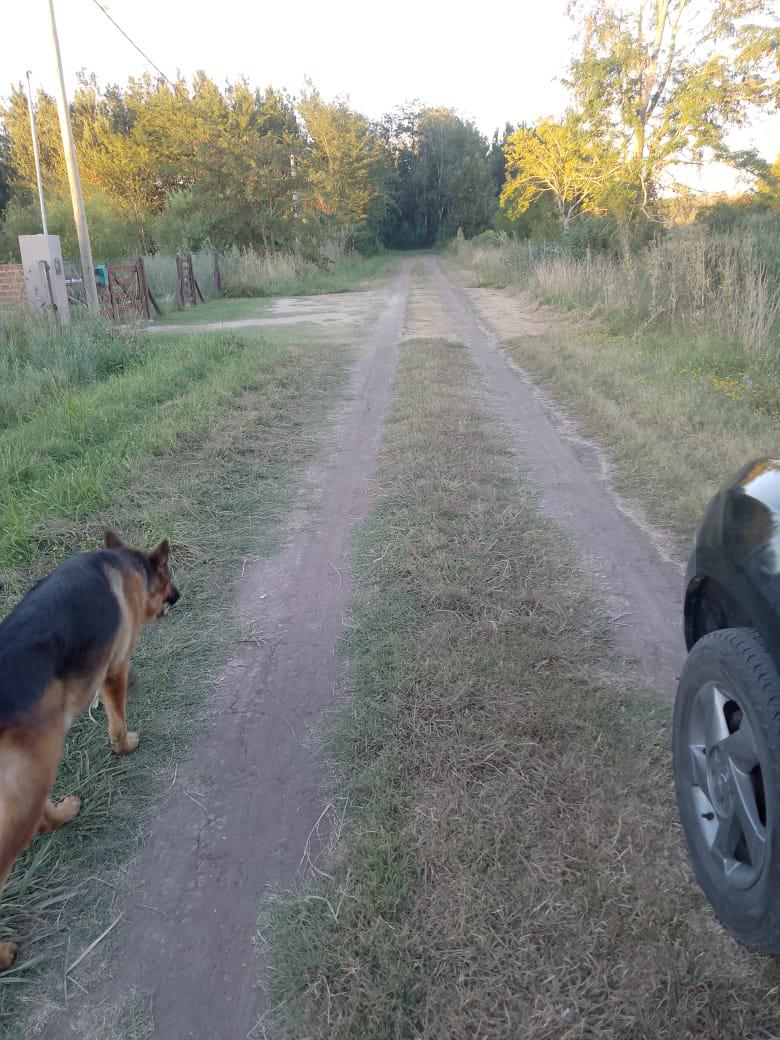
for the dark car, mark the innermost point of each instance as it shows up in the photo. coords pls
(727, 711)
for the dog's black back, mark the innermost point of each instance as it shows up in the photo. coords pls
(61, 627)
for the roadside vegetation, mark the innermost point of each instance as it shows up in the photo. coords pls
(688, 281)
(204, 439)
(37, 363)
(506, 865)
(249, 273)
(668, 357)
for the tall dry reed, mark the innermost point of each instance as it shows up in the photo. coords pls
(686, 281)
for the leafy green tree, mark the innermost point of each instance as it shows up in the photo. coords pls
(348, 166)
(769, 185)
(249, 173)
(433, 149)
(6, 171)
(497, 158)
(114, 236)
(181, 225)
(472, 202)
(666, 79)
(16, 123)
(558, 160)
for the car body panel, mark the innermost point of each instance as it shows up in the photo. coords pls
(737, 546)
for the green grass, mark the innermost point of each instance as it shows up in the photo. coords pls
(37, 363)
(508, 864)
(218, 310)
(252, 274)
(206, 440)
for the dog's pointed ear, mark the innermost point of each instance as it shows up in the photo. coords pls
(113, 541)
(160, 555)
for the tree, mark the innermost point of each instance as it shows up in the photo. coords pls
(664, 80)
(441, 166)
(348, 165)
(558, 160)
(769, 186)
(183, 224)
(472, 201)
(6, 171)
(114, 236)
(497, 158)
(247, 171)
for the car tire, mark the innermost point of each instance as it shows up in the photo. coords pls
(726, 752)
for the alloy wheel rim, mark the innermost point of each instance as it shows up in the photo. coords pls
(726, 784)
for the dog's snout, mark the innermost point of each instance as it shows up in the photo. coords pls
(173, 595)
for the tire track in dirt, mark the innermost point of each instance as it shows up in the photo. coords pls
(209, 863)
(642, 587)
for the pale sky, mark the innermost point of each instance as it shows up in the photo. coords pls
(493, 62)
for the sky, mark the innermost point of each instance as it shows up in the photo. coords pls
(494, 62)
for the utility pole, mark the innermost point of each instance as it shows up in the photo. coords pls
(36, 154)
(79, 215)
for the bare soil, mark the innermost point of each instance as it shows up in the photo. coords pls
(216, 851)
(332, 309)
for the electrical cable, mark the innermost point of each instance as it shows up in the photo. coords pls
(133, 43)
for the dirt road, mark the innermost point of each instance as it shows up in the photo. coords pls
(190, 924)
(211, 859)
(642, 586)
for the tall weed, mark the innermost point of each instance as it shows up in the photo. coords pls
(37, 361)
(719, 284)
(247, 272)
(161, 274)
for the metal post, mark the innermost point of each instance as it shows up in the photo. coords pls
(69, 147)
(36, 154)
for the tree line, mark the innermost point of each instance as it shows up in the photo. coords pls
(169, 166)
(655, 85)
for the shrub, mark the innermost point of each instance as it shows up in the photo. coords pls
(113, 235)
(181, 226)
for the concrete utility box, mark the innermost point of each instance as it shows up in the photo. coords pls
(44, 275)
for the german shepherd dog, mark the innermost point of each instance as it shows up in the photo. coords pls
(71, 635)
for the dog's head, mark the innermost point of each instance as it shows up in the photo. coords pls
(161, 592)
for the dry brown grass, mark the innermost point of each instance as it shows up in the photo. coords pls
(672, 429)
(687, 282)
(510, 865)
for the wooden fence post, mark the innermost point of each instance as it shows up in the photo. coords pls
(217, 275)
(179, 298)
(143, 295)
(194, 287)
(147, 295)
(111, 298)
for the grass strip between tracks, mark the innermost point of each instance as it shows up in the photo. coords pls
(509, 862)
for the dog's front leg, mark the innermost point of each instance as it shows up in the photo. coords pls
(114, 695)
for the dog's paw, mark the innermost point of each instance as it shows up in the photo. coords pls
(8, 952)
(128, 745)
(68, 808)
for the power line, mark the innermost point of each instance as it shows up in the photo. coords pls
(133, 43)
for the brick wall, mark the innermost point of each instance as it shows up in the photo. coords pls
(11, 282)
